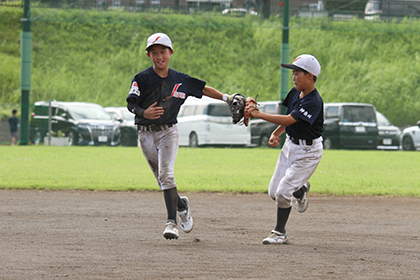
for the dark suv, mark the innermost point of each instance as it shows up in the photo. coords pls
(350, 126)
(83, 123)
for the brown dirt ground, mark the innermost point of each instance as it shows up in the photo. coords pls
(118, 235)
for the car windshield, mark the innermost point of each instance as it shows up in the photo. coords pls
(87, 112)
(358, 114)
(382, 120)
(218, 110)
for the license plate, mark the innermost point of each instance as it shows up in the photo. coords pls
(102, 138)
(360, 129)
(387, 141)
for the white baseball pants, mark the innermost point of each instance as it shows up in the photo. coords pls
(295, 165)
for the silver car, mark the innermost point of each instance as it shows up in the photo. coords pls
(127, 126)
(389, 135)
(410, 138)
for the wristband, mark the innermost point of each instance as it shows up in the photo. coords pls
(225, 97)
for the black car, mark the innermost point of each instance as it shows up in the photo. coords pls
(82, 123)
(128, 129)
(260, 129)
(350, 126)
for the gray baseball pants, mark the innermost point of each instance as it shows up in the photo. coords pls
(160, 149)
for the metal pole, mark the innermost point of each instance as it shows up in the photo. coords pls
(285, 55)
(25, 72)
(49, 123)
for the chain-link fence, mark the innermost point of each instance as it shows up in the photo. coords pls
(336, 9)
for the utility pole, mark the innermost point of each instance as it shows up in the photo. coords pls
(25, 72)
(285, 55)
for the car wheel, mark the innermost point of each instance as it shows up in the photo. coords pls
(37, 138)
(327, 144)
(264, 141)
(193, 143)
(72, 138)
(407, 143)
(125, 139)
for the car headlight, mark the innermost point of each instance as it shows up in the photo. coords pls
(388, 132)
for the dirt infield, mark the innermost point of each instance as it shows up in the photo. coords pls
(118, 235)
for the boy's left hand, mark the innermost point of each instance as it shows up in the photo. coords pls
(153, 112)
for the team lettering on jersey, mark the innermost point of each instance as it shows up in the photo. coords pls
(134, 89)
(305, 113)
(176, 93)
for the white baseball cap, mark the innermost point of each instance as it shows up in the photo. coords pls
(305, 62)
(159, 39)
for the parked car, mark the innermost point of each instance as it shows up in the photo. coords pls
(391, 9)
(128, 129)
(389, 135)
(261, 129)
(350, 126)
(239, 12)
(208, 121)
(410, 138)
(83, 123)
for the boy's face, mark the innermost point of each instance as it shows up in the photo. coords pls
(160, 56)
(302, 81)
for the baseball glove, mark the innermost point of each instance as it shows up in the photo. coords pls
(250, 106)
(236, 103)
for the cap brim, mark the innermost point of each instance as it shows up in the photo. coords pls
(292, 66)
(147, 49)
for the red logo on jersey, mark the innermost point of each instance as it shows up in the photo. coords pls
(135, 85)
(176, 93)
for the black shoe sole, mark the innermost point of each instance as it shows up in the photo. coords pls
(170, 236)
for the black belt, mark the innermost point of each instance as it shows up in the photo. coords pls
(297, 141)
(154, 127)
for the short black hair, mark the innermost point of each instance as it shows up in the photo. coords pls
(306, 72)
(14, 111)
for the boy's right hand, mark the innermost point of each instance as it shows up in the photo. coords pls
(274, 141)
(153, 112)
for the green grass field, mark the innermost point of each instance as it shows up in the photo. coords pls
(341, 172)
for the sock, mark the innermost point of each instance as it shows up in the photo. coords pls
(282, 217)
(181, 204)
(171, 201)
(299, 193)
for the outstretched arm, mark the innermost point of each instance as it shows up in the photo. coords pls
(213, 93)
(277, 119)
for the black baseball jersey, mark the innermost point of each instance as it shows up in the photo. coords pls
(308, 113)
(170, 93)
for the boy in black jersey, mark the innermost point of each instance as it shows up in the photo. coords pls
(302, 150)
(155, 97)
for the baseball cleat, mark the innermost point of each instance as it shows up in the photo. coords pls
(185, 218)
(302, 203)
(171, 231)
(276, 237)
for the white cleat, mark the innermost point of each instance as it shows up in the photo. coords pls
(185, 218)
(171, 231)
(276, 237)
(302, 203)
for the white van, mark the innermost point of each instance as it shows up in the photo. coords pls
(208, 121)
